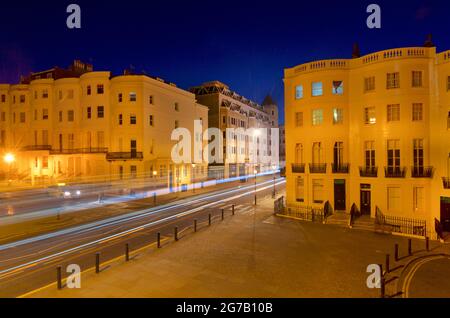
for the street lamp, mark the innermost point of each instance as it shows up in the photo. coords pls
(274, 185)
(9, 159)
(155, 173)
(193, 177)
(255, 172)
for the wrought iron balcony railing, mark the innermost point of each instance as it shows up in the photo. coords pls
(124, 156)
(422, 172)
(78, 151)
(368, 172)
(298, 168)
(446, 182)
(318, 168)
(37, 148)
(340, 168)
(395, 172)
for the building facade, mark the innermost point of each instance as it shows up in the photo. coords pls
(227, 109)
(372, 131)
(81, 125)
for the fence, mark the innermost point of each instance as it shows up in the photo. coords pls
(401, 224)
(306, 213)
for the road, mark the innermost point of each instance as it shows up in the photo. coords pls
(29, 264)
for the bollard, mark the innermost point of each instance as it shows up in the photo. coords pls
(409, 247)
(223, 214)
(97, 263)
(127, 252)
(209, 219)
(59, 276)
(396, 252)
(427, 243)
(195, 226)
(383, 287)
(158, 239)
(387, 263)
(232, 209)
(154, 198)
(175, 233)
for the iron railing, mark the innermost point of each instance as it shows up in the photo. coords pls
(37, 148)
(368, 172)
(298, 168)
(318, 168)
(395, 172)
(401, 225)
(78, 151)
(340, 168)
(306, 213)
(422, 172)
(124, 156)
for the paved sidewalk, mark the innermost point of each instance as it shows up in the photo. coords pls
(252, 254)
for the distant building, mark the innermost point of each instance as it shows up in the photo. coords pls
(76, 124)
(372, 131)
(227, 109)
(282, 134)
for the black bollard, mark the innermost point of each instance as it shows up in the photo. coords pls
(195, 225)
(209, 219)
(175, 233)
(154, 198)
(409, 247)
(232, 209)
(97, 263)
(396, 252)
(59, 277)
(223, 214)
(387, 263)
(127, 252)
(427, 243)
(158, 239)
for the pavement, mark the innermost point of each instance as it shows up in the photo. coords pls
(251, 254)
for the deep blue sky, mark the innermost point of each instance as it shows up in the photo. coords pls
(244, 43)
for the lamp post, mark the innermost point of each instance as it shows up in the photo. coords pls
(9, 159)
(154, 173)
(255, 172)
(193, 177)
(274, 194)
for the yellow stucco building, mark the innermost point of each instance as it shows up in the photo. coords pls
(77, 124)
(373, 131)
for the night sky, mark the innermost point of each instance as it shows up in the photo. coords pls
(245, 44)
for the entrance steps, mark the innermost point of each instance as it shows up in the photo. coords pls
(364, 222)
(339, 218)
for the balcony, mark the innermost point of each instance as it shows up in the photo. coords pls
(446, 182)
(422, 172)
(395, 172)
(318, 168)
(298, 168)
(368, 172)
(78, 151)
(37, 148)
(340, 168)
(112, 156)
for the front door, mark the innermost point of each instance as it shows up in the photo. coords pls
(339, 195)
(445, 214)
(366, 205)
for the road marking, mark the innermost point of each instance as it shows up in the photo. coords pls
(124, 233)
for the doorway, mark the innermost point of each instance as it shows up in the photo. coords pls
(366, 201)
(445, 213)
(339, 195)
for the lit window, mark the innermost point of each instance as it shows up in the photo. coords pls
(338, 87)
(393, 112)
(338, 116)
(318, 191)
(299, 92)
(45, 162)
(317, 89)
(299, 119)
(393, 80)
(417, 79)
(417, 112)
(369, 84)
(317, 117)
(369, 116)
(132, 119)
(133, 97)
